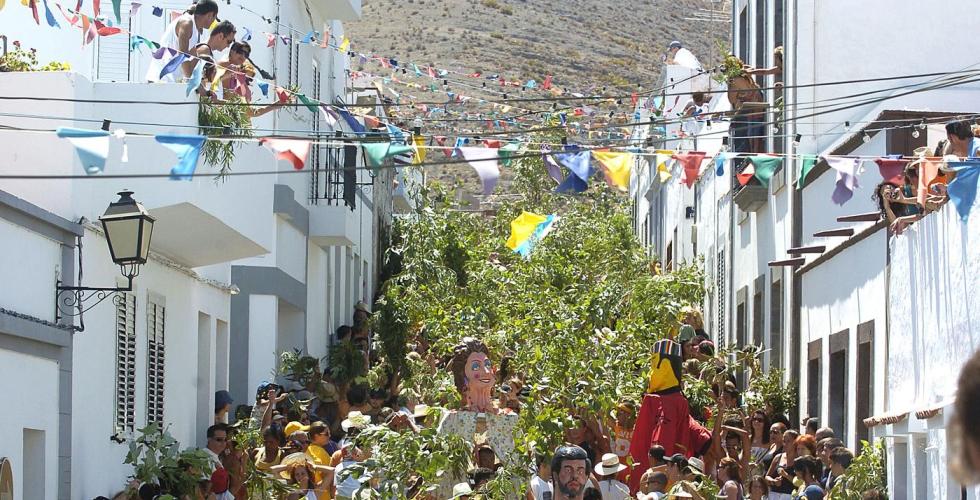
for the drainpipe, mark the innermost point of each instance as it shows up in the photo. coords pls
(796, 210)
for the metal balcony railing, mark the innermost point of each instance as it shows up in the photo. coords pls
(334, 174)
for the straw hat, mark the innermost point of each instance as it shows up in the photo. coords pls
(292, 460)
(609, 465)
(355, 419)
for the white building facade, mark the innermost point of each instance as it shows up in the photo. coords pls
(836, 300)
(241, 269)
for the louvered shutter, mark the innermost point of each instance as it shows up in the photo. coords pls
(155, 322)
(113, 60)
(125, 408)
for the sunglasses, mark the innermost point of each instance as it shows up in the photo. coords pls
(220, 440)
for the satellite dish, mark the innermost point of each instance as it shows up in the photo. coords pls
(6, 480)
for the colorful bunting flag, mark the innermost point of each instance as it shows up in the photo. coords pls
(49, 16)
(527, 230)
(547, 83)
(117, 10)
(309, 103)
(96, 8)
(507, 152)
(195, 80)
(963, 188)
(745, 175)
(377, 152)
(173, 64)
(720, 161)
(486, 163)
(617, 167)
(248, 34)
(134, 8)
(892, 170)
(308, 38)
(551, 166)
(691, 164)
(33, 5)
(420, 151)
(294, 151)
(809, 161)
(351, 121)
(766, 167)
(344, 45)
(157, 11)
(188, 150)
(579, 164)
(847, 180)
(92, 147)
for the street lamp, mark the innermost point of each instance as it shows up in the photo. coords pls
(128, 228)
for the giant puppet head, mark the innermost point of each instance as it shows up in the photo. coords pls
(665, 366)
(474, 374)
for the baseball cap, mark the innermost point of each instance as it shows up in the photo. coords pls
(294, 427)
(674, 45)
(686, 334)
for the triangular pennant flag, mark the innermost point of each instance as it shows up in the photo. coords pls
(441, 140)
(420, 151)
(745, 175)
(351, 121)
(33, 5)
(88, 31)
(282, 95)
(92, 146)
(264, 88)
(285, 39)
(928, 172)
(809, 161)
(344, 45)
(195, 80)
(248, 34)
(527, 230)
(765, 167)
(578, 163)
(117, 10)
(309, 103)
(49, 16)
(104, 30)
(547, 83)
(134, 9)
(188, 150)
(963, 188)
(892, 170)
(157, 11)
(294, 151)
(507, 152)
(396, 134)
(846, 177)
(486, 163)
(617, 167)
(331, 116)
(720, 161)
(551, 166)
(308, 38)
(96, 8)
(173, 64)
(691, 163)
(377, 152)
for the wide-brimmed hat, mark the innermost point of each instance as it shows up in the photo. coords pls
(421, 411)
(355, 419)
(291, 460)
(609, 465)
(677, 458)
(461, 489)
(697, 464)
(362, 306)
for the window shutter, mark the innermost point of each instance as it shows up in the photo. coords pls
(720, 295)
(155, 321)
(112, 55)
(125, 399)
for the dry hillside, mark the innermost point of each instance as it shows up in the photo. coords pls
(585, 44)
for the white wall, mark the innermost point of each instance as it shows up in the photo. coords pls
(33, 405)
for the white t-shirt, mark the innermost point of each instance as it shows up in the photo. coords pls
(612, 489)
(541, 489)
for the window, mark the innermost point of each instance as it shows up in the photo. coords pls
(865, 382)
(780, 19)
(741, 317)
(759, 32)
(743, 34)
(720, 295)
(759, 311)
(838, 384)
(125, 413)
(776, 319)
(813, 379)
(155, 359)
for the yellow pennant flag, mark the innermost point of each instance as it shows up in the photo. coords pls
(661, 160)
(522, 228)
(344, 45)
(420, 150)
(617, 166)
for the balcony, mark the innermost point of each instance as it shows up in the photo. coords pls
(337, 196)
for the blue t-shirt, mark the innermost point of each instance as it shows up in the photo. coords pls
(812, 492)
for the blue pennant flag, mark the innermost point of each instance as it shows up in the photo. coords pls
(351, 121)
(195, 80)
(157, 11)
(188, 150)
(963, 189)
(92, 146)
(580, 165)
(396, 134)
(308, 38)
(52, 22)
(248, 34)
(173, 64)
(264, 87)
(720, 162)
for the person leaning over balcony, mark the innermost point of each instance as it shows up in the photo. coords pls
(220, 38)
(961, 139)
(182, 34)
(777, 70)
(963, 436)
(239, 63)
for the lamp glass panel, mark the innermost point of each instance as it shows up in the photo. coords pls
(147, 234)
(123, 237)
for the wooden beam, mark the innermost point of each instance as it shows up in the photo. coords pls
(787, 262)
(867, 217)
(811, 249)
(834, 232)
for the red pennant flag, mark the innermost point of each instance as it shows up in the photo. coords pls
(492, 144)
(475, 75)
(371, 122)
(384, 62)
(634, 98)
(294, 151)
(441, 140)
(691, 162)
(891, 170)
(547, 83)
(271, 39)
(95, 7)
(746, 175)
(432, 73)
(71, 20)
(104, 30)
(282, 94)
(37, 19)
(88, 30)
